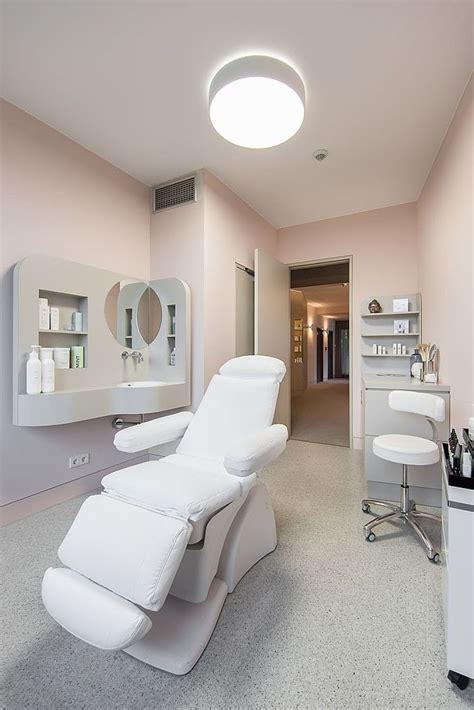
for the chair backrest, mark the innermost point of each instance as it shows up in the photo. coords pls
(427, 405)
(240, 401)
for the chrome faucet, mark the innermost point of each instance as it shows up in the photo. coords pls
(136, 356)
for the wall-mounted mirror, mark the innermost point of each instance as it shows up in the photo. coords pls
(133, 313)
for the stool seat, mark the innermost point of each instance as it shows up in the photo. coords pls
(405, 449)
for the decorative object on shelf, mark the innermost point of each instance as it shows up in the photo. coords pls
(77, 356)
(401, 326)
(429, 355)
(400, 305)
(54, 318)
(33, 371)
(43, 323)
(47, 370)
(77, 320)
(61, 358)
(374, 306)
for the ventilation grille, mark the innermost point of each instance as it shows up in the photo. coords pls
(175, 193)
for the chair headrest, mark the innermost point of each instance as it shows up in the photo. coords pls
(254, 366)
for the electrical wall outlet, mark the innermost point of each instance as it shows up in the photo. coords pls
(79, 460)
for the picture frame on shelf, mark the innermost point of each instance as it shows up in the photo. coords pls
(401, 327)
(400, 305)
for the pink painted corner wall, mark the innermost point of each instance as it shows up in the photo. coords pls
(200, 243)
(382, 244)
(177, 249)
(62, 200)
(445, 258)
(232, 232)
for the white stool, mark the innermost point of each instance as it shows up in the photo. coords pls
(408, 451)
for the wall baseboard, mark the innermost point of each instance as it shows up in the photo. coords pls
(25, 507)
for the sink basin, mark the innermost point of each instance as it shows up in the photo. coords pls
(142, 383)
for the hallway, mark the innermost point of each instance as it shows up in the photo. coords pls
(321, 413)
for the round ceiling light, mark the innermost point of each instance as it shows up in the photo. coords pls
(256, 102)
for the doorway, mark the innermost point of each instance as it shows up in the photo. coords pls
(320, 395)
(284, 330)
(244, 311)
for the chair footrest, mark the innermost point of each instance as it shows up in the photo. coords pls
(92, 613)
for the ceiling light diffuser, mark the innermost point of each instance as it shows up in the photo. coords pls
(256, 102)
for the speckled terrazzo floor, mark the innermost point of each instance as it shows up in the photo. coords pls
(327, 621)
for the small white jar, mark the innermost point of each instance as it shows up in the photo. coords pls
(62, 358)
(47, 370)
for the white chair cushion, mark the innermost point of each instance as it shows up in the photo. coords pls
(176, 485)
(152, 433)
(255, 452)
(90, 612)
(131, 551)
(232, 410)
(405, 449)
(259, 366)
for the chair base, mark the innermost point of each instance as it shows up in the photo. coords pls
(184, 625)
(180, 632)
(406, 512)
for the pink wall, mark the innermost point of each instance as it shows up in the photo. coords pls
(200, 243)
(177, 249)
(62, 200)
(445, 258)
(233, 230)
(382, 245)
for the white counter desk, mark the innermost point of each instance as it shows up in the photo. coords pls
(384, 477)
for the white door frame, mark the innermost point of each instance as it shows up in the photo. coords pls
(336, 260)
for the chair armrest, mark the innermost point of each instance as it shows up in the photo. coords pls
(256, 451)
(152, 433)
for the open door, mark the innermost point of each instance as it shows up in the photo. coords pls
(272, 321)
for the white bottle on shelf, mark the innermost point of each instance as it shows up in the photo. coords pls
(33, 372)
(47, 370)
(173, 357)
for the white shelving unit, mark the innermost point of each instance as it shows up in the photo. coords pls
(378, 329)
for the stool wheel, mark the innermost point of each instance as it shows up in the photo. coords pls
(434, 559)
(370, 537)
(365, 508)
(458, 679)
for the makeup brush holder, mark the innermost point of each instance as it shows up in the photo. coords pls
(429, 373)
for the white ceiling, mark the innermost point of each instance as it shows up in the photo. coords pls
(129, 81)
(328, 299)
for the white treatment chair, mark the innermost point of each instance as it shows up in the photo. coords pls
(149, 562)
